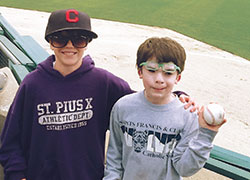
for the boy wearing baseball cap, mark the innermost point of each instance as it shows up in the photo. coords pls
(151, 135)
(56, 125)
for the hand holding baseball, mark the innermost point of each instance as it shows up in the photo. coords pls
(212, 116)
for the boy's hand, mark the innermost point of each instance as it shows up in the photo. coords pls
(204, 124)
(190, 102)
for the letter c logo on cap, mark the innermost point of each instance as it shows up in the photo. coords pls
(74, 20)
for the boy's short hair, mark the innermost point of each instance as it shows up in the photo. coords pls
(69, 19)
(163, 49)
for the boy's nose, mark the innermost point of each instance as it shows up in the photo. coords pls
(69, 44)
(159, 77)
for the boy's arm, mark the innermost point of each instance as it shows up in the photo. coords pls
(193, 150)
(11, 154)
(114, 169)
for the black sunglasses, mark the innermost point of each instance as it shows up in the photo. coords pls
(60, 41)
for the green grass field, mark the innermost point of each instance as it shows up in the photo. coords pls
(221, 23)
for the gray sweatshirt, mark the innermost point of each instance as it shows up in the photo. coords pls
(155, 142)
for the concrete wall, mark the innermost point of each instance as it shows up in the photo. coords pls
(7, 95)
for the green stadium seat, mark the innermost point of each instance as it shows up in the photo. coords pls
(229, 163)
(13, 53)
(19, 71)
(227, 170)
(25, 43)
(33, 49)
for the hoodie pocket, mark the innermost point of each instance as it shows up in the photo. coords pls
(80, 168)
(71, 169)
(49, 171)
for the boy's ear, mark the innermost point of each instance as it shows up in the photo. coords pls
(51, 47)
(178, 78)
(140, 72)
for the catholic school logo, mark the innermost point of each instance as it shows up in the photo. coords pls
(151, 143)
(139, 139)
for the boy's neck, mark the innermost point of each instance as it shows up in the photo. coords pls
(160, 101)
(65, 70)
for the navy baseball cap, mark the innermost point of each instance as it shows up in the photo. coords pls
(69, 19)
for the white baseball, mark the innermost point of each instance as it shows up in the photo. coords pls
(214, 114)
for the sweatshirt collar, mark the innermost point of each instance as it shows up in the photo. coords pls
(47, 66)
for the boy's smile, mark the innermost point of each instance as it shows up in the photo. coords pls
(68, 52)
